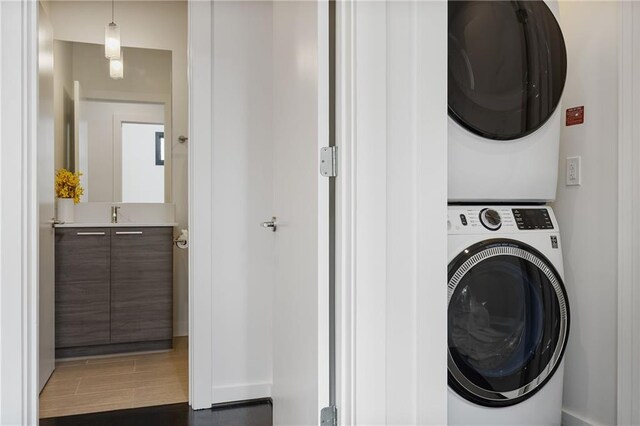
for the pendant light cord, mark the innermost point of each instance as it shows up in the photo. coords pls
(112, 1)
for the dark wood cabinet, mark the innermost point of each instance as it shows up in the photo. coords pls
(141, 284)
(83, 270)
(114, 290)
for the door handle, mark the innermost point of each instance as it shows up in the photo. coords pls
(270, 224)
(89, 233)
(128, 232)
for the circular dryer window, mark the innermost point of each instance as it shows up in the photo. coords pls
(507, 66)
(508, 322)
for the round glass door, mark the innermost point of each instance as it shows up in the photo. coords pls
(508, 322)
(507, 66)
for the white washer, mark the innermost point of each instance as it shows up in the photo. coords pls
(507, 70)
(508, 316)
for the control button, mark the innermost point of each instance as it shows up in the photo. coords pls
(463, 219)
(490, 219)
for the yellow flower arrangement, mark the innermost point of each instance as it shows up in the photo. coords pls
(68, 185)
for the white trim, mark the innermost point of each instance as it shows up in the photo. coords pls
(224, 394)
(200, 74)
(345, 217)
(628, 411)
(19, 220)
(431, 240)
(31, 299)
(376, 52)
(571, 419)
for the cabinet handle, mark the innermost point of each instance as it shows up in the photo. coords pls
(89, 233)
(128, 232)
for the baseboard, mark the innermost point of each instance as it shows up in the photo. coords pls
(224, 394)
(180, 329)
(245, 403)
(113, 348)
(572, 419)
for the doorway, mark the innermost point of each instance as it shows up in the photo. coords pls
(113, 302)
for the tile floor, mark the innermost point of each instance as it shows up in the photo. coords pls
(118, 382)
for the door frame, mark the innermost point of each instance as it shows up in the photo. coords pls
(19, 224)
(200, 54)
(628, 411)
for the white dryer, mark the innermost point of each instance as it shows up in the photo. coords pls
(508, 316)
(507, 70)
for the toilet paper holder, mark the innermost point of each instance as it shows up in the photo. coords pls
(182, 241)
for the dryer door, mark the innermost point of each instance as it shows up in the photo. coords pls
(507, 66)
(508, 322)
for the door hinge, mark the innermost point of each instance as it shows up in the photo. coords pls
(329, 416)
(329, 161)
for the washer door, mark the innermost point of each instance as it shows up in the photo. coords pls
(507, 66)
(508, 322)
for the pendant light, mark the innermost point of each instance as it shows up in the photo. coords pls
(116, 67)
(112, 38)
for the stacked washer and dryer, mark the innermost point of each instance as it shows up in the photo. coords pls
(508, 312)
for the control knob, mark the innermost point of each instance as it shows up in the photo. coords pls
(490, 219)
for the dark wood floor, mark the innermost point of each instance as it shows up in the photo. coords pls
(253, 413)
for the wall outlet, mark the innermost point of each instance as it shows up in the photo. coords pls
(573, 171)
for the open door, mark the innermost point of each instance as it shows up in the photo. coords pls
(46, 272)
(255, 139)
(301, 206)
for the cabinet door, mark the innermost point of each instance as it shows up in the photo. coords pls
(82, 287)
(141, 284)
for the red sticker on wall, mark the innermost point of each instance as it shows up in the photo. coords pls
(575, 116)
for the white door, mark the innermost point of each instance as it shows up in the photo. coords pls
(265, 113)
(301, 206)
(46, 199)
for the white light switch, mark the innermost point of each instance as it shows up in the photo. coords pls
(573, 171)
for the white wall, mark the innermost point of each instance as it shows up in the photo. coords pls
(97, 117)
(152, 25)
(587, 214)
(146, 72)
(242, 163)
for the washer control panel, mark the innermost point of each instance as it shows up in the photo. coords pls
(532, 218)
(499, 219)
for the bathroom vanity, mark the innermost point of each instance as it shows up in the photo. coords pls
(114, 288)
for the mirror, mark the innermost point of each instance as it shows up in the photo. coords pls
(115, 130)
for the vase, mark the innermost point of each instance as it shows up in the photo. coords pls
(65, 210)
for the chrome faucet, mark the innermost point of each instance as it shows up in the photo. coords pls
(114, 214)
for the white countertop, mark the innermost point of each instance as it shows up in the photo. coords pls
(114, 225)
